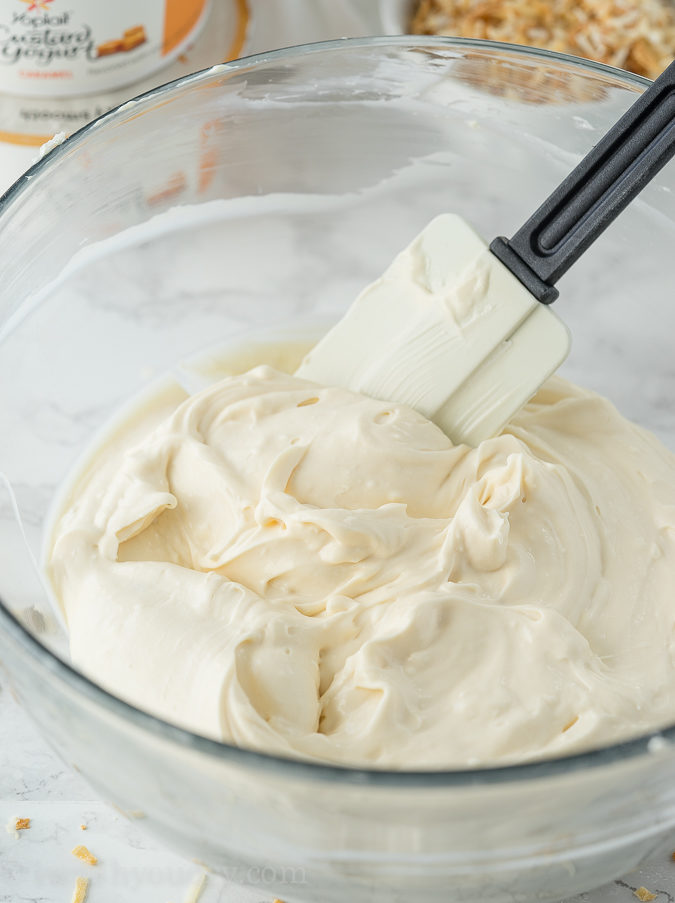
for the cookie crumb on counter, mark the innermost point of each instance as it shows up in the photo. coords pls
(16, 824)
(643, 894)
(84, 854)
(83, 827)
(80, 892)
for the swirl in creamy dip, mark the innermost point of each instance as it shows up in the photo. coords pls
(307, 571)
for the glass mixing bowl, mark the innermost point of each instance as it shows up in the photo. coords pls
(253, 196)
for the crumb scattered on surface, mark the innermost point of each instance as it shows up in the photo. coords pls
(84, 854)
(638, 35)
(22, 824)
(643, 894)
(80, 892)
(195, 889)
(83, 827)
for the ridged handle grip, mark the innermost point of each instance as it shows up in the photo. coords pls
(608, 178)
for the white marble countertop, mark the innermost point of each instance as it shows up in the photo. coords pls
(36, 866)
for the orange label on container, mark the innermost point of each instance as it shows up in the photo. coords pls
(180, 17)
(22, 140)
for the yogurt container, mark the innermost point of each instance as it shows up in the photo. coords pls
(65, 63)
(29, 119)
(70, 47)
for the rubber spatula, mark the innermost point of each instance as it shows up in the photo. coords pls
(462, 332)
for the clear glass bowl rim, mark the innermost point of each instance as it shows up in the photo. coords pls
(295, 767)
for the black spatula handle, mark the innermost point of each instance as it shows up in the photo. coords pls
(594, 194)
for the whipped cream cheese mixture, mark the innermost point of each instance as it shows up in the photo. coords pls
(307, 571)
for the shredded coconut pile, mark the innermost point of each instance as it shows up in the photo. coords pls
(638, 35)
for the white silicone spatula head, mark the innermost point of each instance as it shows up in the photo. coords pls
(461, 332)
(447, 330)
